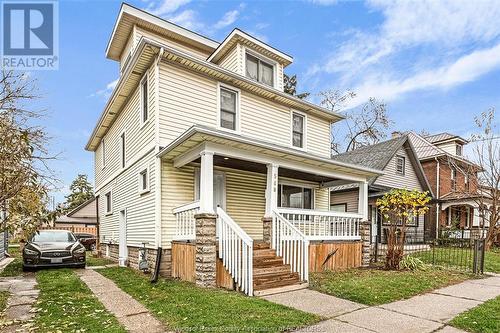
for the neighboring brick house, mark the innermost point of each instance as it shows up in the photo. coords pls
(399, 161)
(454, 185)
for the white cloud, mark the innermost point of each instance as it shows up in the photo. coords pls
(228, 19)
(166, 6)
(323, 2)
(418, 45)
(105, 92)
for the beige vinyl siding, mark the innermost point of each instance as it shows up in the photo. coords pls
(138, 137)
(233, 60)
(321, 199)
(88, 211)
(177, 190)
(140, 208)
(140, 32)
(128, 49)
(318, 136)
(279, 84)
(186, 99)
(393, 179)
(349, 197)
(449, 147)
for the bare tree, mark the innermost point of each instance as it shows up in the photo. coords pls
(24, 154)
(363, 126)
(483, 176)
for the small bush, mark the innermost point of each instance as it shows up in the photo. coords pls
(411, 263)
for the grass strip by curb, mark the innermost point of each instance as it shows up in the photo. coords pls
(183, 306)
(66, 304)
(484, 318)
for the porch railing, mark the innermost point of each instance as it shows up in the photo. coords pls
(235, 251)
(321, 225)
(185, 223)
(291, 244)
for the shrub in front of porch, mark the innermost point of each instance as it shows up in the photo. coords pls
(399, 207)
(184, 307)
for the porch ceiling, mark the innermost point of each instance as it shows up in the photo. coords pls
(184, 150)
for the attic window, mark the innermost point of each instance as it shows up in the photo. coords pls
(400, 165)
(459, 150)
(259, 70)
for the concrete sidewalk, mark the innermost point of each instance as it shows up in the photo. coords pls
(129, 312)
(424, 313)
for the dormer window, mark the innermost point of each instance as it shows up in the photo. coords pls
(259, 70)
(400, 165)
(459, 150)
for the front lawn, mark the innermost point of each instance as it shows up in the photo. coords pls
(65, 304)
(456, 257)
(484, 318)
(184, 307)
(377, 286)
(4, 295)
(93, 261)
(15, 268)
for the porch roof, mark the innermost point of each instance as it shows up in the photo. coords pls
(197, 135)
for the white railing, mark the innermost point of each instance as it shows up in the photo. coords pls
(235, 251)
(291, 244)
(185, 223)
(321, 225)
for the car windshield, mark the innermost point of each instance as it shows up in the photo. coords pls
(53, 236)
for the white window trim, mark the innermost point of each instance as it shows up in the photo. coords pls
(103, 154)
(110, 211)
(148, 180)
(304, 139)
(238, 107)
(144, 122)
(404, 165)
(263, 58)
(312, 187)
(123, 149)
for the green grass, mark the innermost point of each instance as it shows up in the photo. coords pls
(377, 286)
(15, 268)
(484, 318)
(4, 295)
(65, 304)
(92, 261)
(456, 257)
(184, 307)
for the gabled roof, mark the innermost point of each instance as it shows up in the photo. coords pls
(377, 156)
(130, 16)
(424, 148)
(443, 137)
(238, 36)
(82, 206)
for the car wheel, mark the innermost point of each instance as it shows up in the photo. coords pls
(93, 247)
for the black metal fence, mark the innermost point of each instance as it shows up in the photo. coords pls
(457, 253)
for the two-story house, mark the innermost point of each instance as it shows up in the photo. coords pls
(200, 155)
(402, 170)
(453, 180)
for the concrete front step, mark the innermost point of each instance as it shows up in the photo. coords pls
(279, 290)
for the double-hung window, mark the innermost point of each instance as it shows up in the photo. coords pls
(228, 108)
(400, 165)
(109, 202)
(122, 148)
(298, 126)
(453, 179)
(103, 151)
(144, 100)
(290, 196)
(144, 181)
(259, 70)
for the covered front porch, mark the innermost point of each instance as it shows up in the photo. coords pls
(463, 219)
(258, 194)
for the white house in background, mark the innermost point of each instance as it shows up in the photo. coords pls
(195, 127)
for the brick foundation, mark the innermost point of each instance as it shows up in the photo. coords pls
(133, 257)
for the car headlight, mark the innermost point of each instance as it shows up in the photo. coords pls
(30, 252)
(79, 250)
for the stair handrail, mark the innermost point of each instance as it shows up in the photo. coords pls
(235, 251)
(291, 244)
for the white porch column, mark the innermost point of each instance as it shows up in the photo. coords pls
(207, 182)
(363, 200)
(271, 189)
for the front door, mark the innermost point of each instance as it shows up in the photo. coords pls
(122, 245)
(219, 190)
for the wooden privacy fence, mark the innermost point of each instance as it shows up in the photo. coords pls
(76, 230)
(334, 256)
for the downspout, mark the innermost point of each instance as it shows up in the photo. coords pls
(438, 169)
(158, 188)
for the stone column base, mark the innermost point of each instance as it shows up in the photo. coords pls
(205, 250)
(267, 223)
(364, 231)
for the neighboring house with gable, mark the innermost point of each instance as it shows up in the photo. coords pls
(200, 154)
(402, 170)
(456, 192)
(80, 218)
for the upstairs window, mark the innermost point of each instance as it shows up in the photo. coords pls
(290, 196)
(453, 179)
(298, 130)
(144, 99)
(259, 70)
(228, 108)
(400, 165)
(103, 153)
(459, 150)
(122, 148)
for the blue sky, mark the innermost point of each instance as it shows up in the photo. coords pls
(436, 64)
